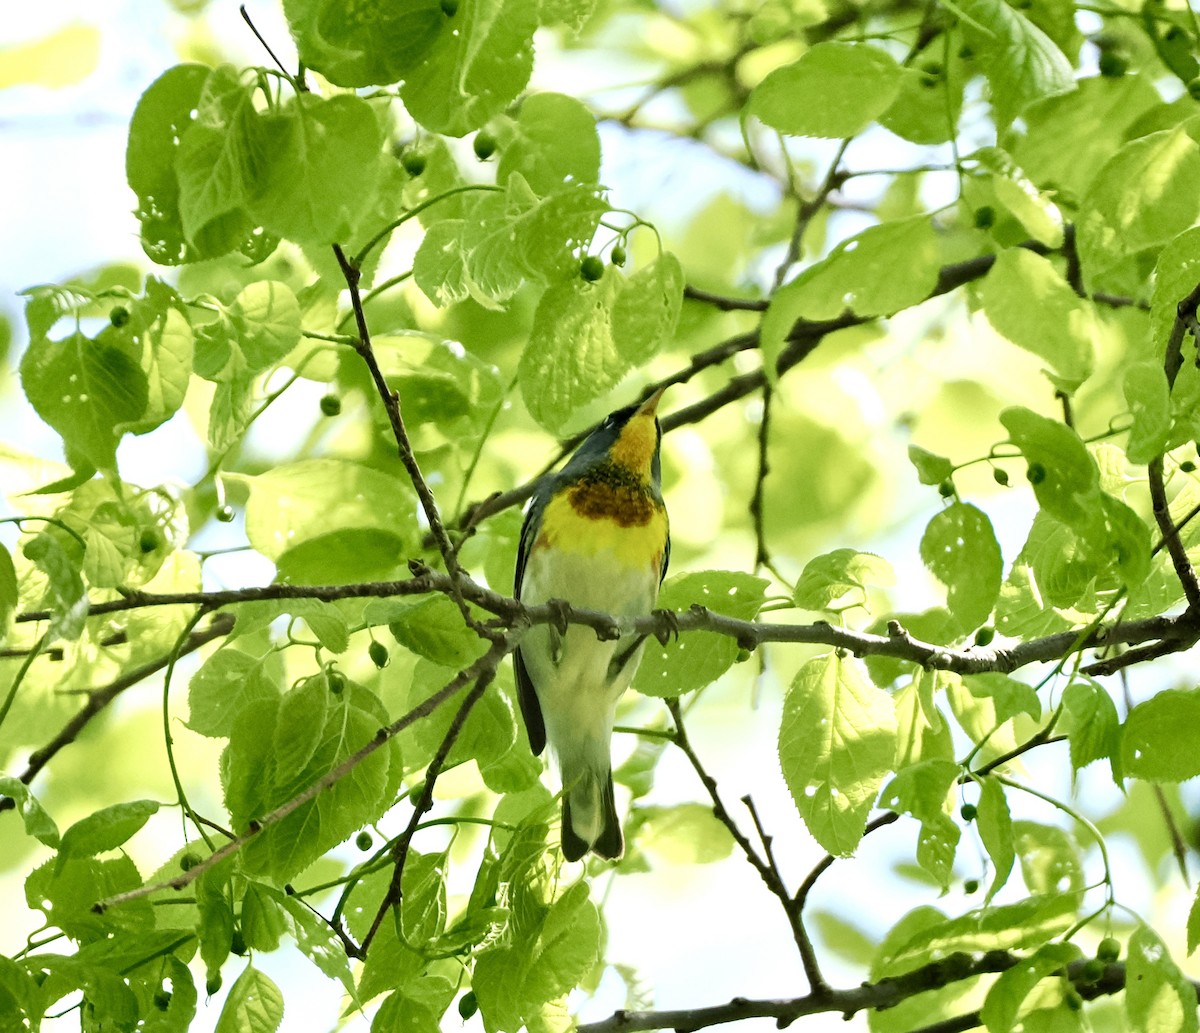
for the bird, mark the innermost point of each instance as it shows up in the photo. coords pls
(596, 536)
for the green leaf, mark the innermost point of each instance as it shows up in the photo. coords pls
(647, 309)
(37, 822)
(878, 272)
(1158, 742)
(923, 790)
(1193, 925)
(1092, 725)
(228, 681)
(67, 893)
(695, 660)
(685, 833)
(318, 942)
(554, 143)
(1175, 276)
(416, 1006)
(842, 578)
(372, 43)
(960, 549)
(313, 498)
(277, 748)
(1065, 478)
(1158, 996)
(254, 1005)
(1028, 923)
(566, 948)
(474, 71)
(105, 830)
(1029, 303)
(837, 739)
(319, 164)
(21, 1001)
(156, 130)
(571, 358)
(1014, 189)
(1007, 994)
(996, 830)
(835, 90)
(1050, 859)
(433, 628)
(9, 593)
(1009, 697)
(507, 239)
(1022, 63)
(65, 592)
(931, 467)
(87, 391)
(263, 918)
(217, 156)
(1139, 199)
(1149, 399)
(266, 323)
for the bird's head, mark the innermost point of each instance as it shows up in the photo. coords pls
(630, 438)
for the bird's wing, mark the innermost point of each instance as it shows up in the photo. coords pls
(666, 558)
(531, 709)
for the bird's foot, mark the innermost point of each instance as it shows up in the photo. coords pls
(670, 629)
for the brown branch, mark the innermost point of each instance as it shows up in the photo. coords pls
(401, 847)
(1185, 316)
(765, 867)
(1155, 636)
(391, 403)
(762, 556)
(488, 662)
(887, 993)
(98, 699)
(723, 302)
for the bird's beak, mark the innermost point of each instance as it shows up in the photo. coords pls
(650, 406)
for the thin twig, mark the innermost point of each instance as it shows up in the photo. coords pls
(764, 866)
(401, 847)
(98, 699)
(489, 661)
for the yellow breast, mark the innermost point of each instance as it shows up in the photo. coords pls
(588, 519)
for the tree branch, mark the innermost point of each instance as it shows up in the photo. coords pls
(401, 847)
(98, 699)
(488, 662)
(766, 868)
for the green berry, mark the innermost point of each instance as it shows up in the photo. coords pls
(1113, 66)
(413, 162)
(968, 811)
(485, 145)
(212, 984)
(337, 682)
(449, 8)
(618, 255)
(591, 268)
(1000, 476)
(946, 489)
(742, 656)
(363, 841)
(971, 886)
(189, 861)
(119, 316)
(162, 1000)
(1073, 1000)
(225, 514)
(1193, 89)
(378, 653)
(1092, 971)
(331, 405)
(467, 1005)
(966, 53)
(238, 943)
(1109, 949)
(149, 541)
(1187, 466)
(1036, 473)
(985, 217)
(984, 636)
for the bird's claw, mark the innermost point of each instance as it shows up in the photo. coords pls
(560, 612)
(671, 630)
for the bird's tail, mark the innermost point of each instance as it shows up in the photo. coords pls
(589, 815)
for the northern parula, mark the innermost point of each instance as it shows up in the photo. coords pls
(595, 536)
